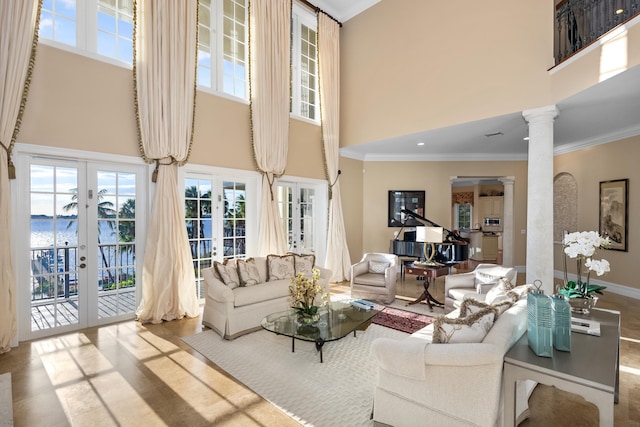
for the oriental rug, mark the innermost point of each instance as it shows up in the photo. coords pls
(402, 320)
(338, 392)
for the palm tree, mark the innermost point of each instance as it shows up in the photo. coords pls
(127, 229)
(105, 210)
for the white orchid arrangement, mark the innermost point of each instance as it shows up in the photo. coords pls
(582, 245)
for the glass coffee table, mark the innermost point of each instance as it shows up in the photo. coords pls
(337, 320)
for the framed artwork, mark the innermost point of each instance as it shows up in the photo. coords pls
(614, 212)
(401, 199)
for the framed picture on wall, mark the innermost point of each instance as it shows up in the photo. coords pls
(614, 212)
(403, 199)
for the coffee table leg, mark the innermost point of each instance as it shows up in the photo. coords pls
(293, 345)
(319, 344)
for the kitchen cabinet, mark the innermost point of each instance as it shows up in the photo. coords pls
(483, 247)
(491, 206)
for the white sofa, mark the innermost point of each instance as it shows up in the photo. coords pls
(421, 383)
(234, 312)
(474, 284)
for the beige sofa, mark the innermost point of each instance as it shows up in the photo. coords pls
(232, 312)
(421, 383)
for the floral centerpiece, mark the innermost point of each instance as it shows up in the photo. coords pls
(581, 246)
(303, 292)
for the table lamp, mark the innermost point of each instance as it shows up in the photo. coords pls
(430, 235)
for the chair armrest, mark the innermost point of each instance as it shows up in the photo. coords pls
(359, 268)
(404, 358)
(483, 288)
(217, 290)
(462, 280)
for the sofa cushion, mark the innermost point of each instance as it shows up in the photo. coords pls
(520, 292)
(459, 294)
(472, 305)
(370, 279)
(280, 267)
(304, 264)
(228, 272)
(378, 267)
(261, 292)
(499, 291)
(470, 329)
(248, 272)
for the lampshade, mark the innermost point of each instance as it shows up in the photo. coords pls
(429, 234)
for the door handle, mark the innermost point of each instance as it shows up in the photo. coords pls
(83, 265)
(83, 258)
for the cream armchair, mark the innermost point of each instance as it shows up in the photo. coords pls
(374, 277)
(475, 283)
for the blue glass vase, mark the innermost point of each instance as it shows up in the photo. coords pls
(539, 322)
(561, 315)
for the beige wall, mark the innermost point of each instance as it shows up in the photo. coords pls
(413, 65)
(434, 178)
(80, 103)
(617, 160)
(351, 183)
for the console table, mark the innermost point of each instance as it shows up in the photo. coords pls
(429, 272)
(590, 369)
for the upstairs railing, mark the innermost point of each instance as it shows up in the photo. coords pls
(581, 22)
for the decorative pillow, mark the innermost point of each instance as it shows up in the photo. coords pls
(520, 292)
(470, 329)
(248, 272)
(304, 264)
(228, 272)
(472, 305)
(280, 267)
(499, 291)
(378, 267)
(490, 275)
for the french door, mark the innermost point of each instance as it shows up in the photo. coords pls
(299, 207)
(83, 249)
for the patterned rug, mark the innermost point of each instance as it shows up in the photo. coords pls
(402, 320)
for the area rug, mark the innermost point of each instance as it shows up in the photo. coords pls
(338, 392)
(6, 402)
(402, 320)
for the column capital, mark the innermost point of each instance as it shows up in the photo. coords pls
(507, 180)
(548, 112)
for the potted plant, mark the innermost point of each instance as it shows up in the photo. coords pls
(581, 246)
(303, 292)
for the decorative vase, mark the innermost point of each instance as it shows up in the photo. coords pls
(583, 305)
(308, 318)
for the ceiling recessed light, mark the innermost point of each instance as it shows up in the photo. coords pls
(526, 138)
(619, 11)
(420, 144)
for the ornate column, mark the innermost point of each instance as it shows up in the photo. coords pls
(508, 233)
(540, 196)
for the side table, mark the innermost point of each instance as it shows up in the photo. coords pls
(429, 272)
(590, 369)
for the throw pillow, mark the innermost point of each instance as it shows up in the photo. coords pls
(491, 275)
(378, 267)
(470, 329)
(304, 264)
(520, 292)
(228, 272)
(499, 291)
(248, 272)
(472, 305)
(280, 267)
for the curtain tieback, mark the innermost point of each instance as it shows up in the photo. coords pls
(11, 169)
(159, 162)
(331, 184)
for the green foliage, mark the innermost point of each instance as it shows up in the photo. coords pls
(572, 290)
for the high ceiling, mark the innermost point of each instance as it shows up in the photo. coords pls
(603, 113)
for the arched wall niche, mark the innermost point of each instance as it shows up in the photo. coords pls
(565, 205)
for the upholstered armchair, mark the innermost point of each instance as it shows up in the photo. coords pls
(474, 284)
(374, 277)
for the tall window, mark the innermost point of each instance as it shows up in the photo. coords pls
(304, 64)
(198, 203)
(104, 27)
(222, 46)
(462, 215)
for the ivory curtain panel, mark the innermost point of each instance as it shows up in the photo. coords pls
(337, 256)
(270, 42)
(18, 20)
(164, 75)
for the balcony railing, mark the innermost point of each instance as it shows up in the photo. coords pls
(581, 22)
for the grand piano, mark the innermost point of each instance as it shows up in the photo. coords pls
(453, 250)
